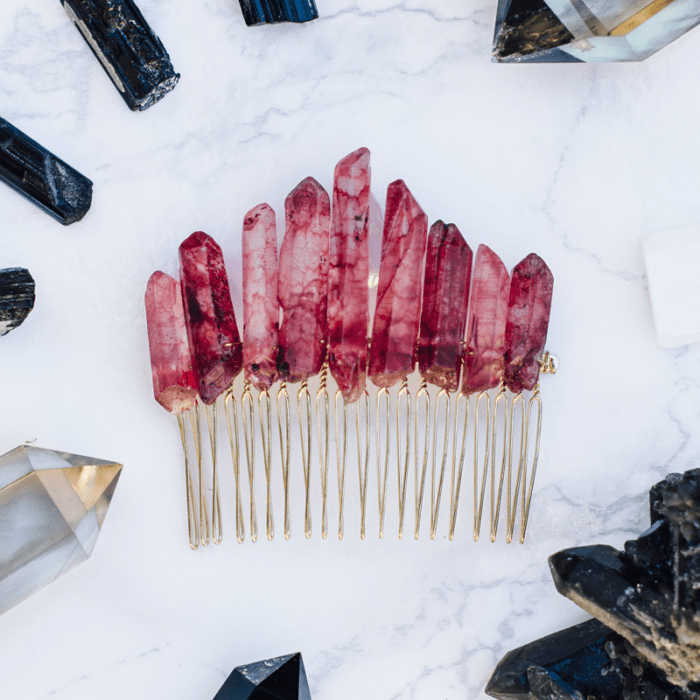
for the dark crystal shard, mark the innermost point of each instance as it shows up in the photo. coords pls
(36, 173)
(280, 678)
(273, 11)
(16, 297)
(131, 54)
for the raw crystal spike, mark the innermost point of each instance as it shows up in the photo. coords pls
(260, 306)
(281, 678)
(272, 11)
(131, 54)
(16, 297)
(52, 506)
(448, 269)
(215, 345)
(174, 384)
(397, 315)
(303, 282)
(38, 175)
(529, 304)
(486, 327)
(348, 291)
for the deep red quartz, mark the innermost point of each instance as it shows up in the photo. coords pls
(260, 306)
(397, 315)
(215, 345)
(174, 384)
(529, 305)
(303, 282)
(348, 291)
(486, 325)
(448, 269)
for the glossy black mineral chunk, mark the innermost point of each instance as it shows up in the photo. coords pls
(273, 11)
(280, 678)
(131, 54)
(16, 297)
(36, 173)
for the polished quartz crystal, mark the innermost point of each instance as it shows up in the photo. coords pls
(589, 30)
(303, 282)
(486, 327)
(52, 506)
(215, 345)
(16, 297)
(529, 305)
(174, 384)
(280, 678)
(448, 269)
(397, 314)
(257, 12)
(260, 306)
(348, 291)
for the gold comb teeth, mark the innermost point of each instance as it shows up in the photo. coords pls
(302, 413)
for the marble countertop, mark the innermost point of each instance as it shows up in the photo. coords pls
(575, 162)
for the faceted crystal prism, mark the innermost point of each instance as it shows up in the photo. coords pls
(397, 315)
(261, 309)
(257, 12)
(131, 54)
(529, 304)
(16, 297)
(589, 30)
(303, 282)
(174, 384)
(281, 678)
(486, 327)
(348, 290)
(26, 166)
(448, 269)
(52, 506)
(215, 345)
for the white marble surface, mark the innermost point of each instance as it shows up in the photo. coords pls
(575, 162)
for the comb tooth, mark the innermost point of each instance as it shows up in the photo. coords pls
(217, 532)
(323, 427)
(422, 400)
(443, 398)
(384, 397)
(248, 412)
(265, 414)
(363, 462)
(196, 424)
(480, 484)
(500, 418)
(459, 437)
(284, 435)
(305, 433)
(231, 413)
(192, 528)
(341, 454)
(404, 394)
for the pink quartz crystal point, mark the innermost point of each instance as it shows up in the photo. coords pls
(486, 324)
(174, 384)
(348, 276)
(448, 270)
(260, 306)
(529, 305)
(303, 282)
(397, 314)
(215, 345)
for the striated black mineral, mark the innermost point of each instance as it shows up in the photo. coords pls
(257, 12)
(16, 297)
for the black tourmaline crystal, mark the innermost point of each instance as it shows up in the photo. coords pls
(647, 599)
(281, 678)
(34, 172)
(16, 297)
(131, 54)
(274, 11)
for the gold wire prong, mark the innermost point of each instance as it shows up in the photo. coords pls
(284, 427)
(402, 471)
(480, 487)
(382, 457)
(443, 398)
(265, 414)
(192, 528)
(535, 400)
(363, 461)
(459, 437)
(341, 444)
(499, 418)
(305, 418)
(422, 401)
(323, 426)
(231, 413)
(217, 532)
(196, 422)
(512, 494)
(248, 410)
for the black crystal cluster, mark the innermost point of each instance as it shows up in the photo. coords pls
(273, 11)
(41, 177)
(131, 54)
(16, 297)
(280, 678)
(645, 642)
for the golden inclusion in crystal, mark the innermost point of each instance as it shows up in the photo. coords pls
(52, 506)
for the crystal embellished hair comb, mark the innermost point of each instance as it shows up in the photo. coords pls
(477, 336)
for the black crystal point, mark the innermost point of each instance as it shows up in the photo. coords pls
(36, 173)
(273, 11)
(16, 297)
(131, 54)
(280, 678)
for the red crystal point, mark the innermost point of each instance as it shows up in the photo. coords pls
(348, 291)
(448, 269)
(260, 306)
(174, 384)
(529, 305)
(303, 282)
(397, 315)
(215, 345)
(486, 325)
